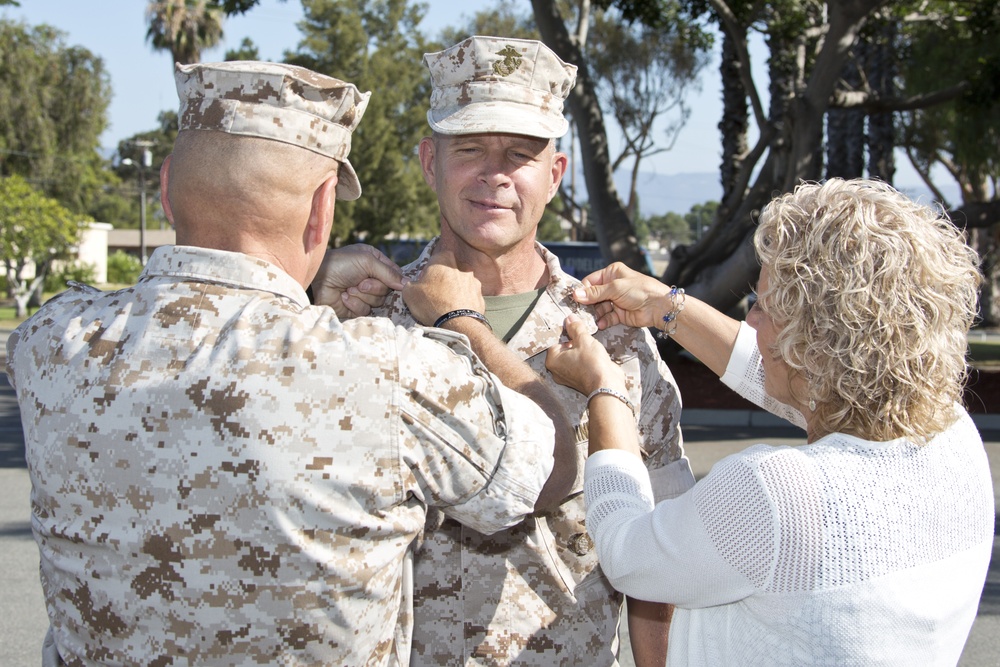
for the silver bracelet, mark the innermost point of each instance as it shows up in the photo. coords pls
(670, 319)
(462, 312)
(612, 392)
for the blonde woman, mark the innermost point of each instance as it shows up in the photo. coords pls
(869, 545)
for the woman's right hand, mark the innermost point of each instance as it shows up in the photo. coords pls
(581, 362)
(623, 296)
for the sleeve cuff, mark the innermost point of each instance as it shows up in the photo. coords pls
(624, 463)
(743, 348)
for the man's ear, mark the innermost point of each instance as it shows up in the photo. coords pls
(427, 149)
(559, 165)
(321, 212)
(164, 192)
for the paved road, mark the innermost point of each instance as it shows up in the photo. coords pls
(22, 613)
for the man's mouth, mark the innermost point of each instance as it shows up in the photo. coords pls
(490, 205)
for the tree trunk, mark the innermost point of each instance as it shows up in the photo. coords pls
(880, 66)
(612, 225)
(808, 109)
(23, 293)
(845, 131)
(721, 267)
(735, 120)
(987, 243)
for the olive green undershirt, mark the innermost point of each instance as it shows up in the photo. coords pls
(507, 313)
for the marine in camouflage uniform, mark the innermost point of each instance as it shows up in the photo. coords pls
(223, 474)
(534, 594)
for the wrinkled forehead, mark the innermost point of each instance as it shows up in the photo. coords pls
(500, 139)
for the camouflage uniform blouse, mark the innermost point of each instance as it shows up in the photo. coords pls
(223, 474)
(534, 594)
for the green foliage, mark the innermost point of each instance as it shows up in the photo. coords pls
(961, 44)
(81, 272)
(33, 226)
(500, 19)
(671, 229)
(549, 227)
(183, 27)
(231, 7)
(376, 46)
(247, 51)
(123, 268)
(700, 218)
(668, 229)
(655, 14)
(52, 112)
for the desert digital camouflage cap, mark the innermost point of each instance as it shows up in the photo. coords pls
(495, 84)
(275, 101)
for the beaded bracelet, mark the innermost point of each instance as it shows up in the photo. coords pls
(462, 312)
(676, 306)
(612, 392)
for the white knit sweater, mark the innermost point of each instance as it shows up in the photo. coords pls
(841, 552)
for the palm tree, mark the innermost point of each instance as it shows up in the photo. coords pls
(183, 27)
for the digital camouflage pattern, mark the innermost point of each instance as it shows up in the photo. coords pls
(223, 474)
(534, 594)
(275, 101)
(493, 84)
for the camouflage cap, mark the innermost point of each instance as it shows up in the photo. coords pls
(494, 84)
(275, 101)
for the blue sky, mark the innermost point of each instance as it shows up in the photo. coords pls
(142, 80)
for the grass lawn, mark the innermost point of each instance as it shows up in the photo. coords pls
(985, 355)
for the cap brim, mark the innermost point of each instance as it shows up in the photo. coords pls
(348, 185)
(489, 117)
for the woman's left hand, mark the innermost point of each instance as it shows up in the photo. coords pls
(582, 363)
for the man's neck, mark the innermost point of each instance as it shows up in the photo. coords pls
(518, 270)
(295, 264)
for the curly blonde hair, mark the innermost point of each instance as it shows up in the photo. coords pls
(874, 295)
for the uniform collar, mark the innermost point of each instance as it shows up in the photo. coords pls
(543, 327)
(222, 267)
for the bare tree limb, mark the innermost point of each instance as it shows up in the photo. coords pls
(870, 102)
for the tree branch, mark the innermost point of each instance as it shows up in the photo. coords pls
(976, 215)
(732, 27)
(870, 102)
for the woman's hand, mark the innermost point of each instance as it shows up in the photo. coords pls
(582, 363)
(624, 296)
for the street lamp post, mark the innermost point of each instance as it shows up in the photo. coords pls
(145, 163)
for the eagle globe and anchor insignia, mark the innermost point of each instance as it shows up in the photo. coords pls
(511, 61)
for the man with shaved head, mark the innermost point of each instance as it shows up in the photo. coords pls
(224, 474)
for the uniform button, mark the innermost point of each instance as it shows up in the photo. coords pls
(581, 544)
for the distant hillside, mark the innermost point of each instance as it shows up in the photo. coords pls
(662, 193)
